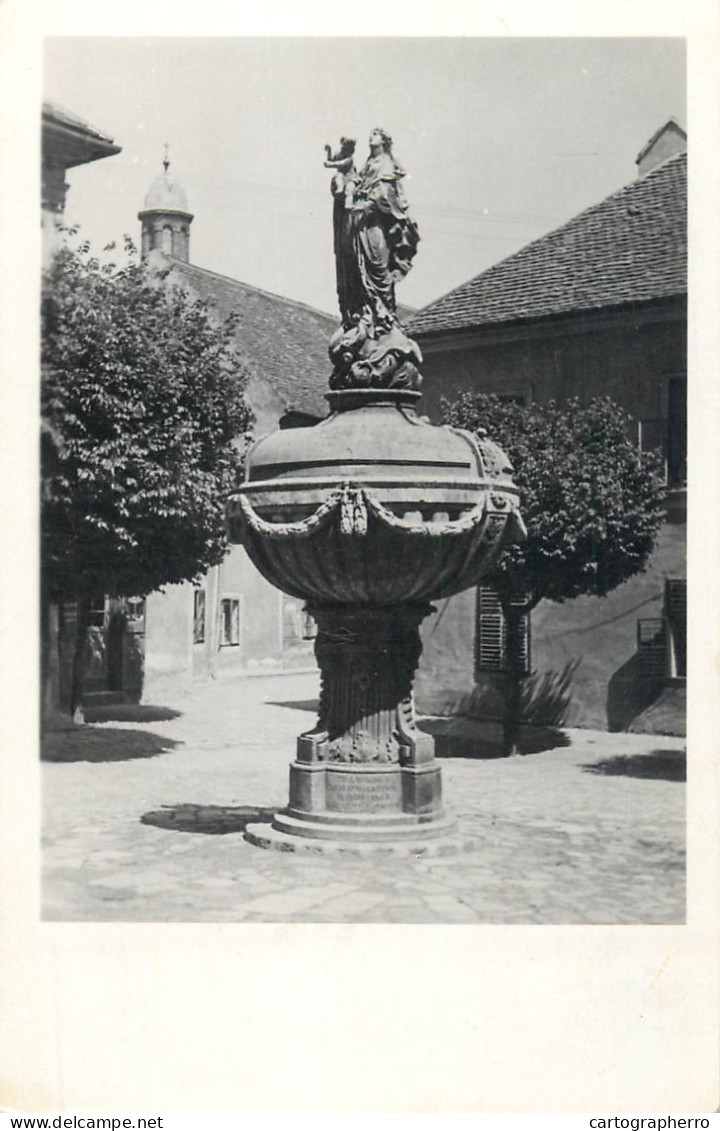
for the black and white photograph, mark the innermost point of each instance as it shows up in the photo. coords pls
(364, 455)
(360, 669)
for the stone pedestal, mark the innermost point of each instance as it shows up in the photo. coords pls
(364, 774)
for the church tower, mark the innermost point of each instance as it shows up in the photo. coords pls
(165, 218)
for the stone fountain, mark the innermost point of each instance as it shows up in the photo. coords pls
(369, 516)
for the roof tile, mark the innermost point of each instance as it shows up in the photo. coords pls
(632, 247)
(284, 341)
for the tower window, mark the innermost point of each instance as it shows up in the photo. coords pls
(167, 240)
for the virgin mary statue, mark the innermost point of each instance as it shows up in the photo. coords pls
(375, 238)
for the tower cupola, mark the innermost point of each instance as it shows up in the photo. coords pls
(165, 217)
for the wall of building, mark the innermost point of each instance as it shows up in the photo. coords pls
(260, 643)
(269, 638)
(583, 653)
(168, 642)
(584, 657)
(628, 359)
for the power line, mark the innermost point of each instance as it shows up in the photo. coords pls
(313, 217)
(261, 188)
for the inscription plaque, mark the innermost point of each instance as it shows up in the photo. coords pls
(363, 792)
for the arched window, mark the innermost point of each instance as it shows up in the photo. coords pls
(167, 236)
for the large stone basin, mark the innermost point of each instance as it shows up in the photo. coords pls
(369, 516)
(374, 505)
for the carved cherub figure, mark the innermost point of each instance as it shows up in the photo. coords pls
(343, 162)
(343, 159)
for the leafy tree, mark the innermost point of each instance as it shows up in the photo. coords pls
(592, 505)
(144, 422)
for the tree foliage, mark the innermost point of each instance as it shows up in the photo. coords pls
(144, 426)
(592, 504)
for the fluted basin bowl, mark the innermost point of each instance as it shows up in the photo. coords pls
(374, 505)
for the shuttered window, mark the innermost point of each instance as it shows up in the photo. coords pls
(491, 652)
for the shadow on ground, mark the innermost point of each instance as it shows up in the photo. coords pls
(469, 738)
(130, 713)
(663, 765)
(111, 744)
(296, 705)
(212, 820)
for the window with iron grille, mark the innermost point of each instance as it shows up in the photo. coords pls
(199, 616)
(229, 622)
(661, 641)
(491, 637)
(652, 646)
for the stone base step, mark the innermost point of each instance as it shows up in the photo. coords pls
(441, 843)
(329, 825)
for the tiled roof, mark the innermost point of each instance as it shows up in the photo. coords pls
(74, 140)
(284, 341)
(632, 247)
(58, 115)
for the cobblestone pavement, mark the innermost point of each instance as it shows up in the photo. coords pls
(144, 816)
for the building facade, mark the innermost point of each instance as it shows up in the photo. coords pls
(66, 142)
(595, 308)
(232, 621)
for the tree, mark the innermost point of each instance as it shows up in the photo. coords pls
(144, 426)
(591, 502)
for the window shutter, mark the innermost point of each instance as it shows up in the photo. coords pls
(491, 633)
(521, 598)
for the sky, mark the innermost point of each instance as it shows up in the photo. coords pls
(503, 139)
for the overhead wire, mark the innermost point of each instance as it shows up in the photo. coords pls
(261, 188)
(316, 218)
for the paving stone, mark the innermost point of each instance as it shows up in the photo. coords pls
(288, 902)
(554, 843)
(105, 891)
(354, 903)
(450, 909)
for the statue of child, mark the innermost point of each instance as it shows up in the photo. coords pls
(343, 162)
